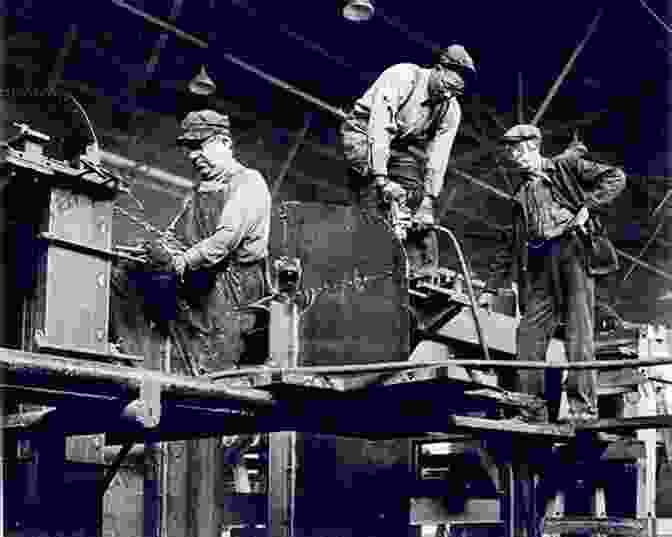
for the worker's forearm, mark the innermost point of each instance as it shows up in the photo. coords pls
(211, 250)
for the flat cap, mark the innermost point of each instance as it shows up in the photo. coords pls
(203, 124)
(520, 133)
(456, 55)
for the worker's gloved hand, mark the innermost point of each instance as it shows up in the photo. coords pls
(162, 258)
(179, 265)
(158, 256)
(426, 215)
(581, 218)
(389, 190)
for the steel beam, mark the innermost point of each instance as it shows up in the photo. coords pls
(567, 68)
(286, 165)
(59, 64)
(25, 369)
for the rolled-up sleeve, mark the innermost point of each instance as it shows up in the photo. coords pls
(387, 94)
(439, 149)
(235, 219)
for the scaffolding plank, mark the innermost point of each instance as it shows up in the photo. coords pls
(549, 430)
(621, 424)
(47, 373)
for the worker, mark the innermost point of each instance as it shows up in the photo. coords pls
(558, 249)
(224, 225)
(408, 107)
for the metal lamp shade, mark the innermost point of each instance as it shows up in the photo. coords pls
(358, 10)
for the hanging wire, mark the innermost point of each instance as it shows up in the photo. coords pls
(86, 119)
(655, 16)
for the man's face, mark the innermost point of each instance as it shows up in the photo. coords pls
(524, 155)
(443, 83)
(211, 156)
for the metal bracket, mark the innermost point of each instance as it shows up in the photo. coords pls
(146, 410)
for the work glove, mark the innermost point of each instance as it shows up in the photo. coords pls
(389, 190)
(580, 219)
(162, 258)
(425, 216)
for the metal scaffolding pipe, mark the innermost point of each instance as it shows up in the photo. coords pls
(567, 68)
(468, 363)
(232, 59)
(31, 369)
(156, 174)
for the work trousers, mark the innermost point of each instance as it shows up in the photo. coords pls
(559, 290)
(421, 244)
(211, 326)
(405, 169)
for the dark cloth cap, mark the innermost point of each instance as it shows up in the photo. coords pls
(456, 55)
(520, 133)
(203, 124)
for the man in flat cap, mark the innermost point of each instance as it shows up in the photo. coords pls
(558, 250)
(224, 225)
(407, 107)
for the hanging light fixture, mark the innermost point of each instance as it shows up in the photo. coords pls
(202, 84)
(358, 10)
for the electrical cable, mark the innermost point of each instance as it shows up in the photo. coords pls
(86, 119)
(470, 290)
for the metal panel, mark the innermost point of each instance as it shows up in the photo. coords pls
(500, 330)
(358, 269)
(76, 300)
(78, 218)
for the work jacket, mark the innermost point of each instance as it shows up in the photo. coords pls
(394, 112)
(577, 183)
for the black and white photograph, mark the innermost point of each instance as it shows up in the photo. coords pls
(335, 268)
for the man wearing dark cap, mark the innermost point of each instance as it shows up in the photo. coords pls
(407, 107)
(225, 225)
(558, 249)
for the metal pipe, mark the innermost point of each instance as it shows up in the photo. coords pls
(468, 363)
(645, 265)
(164, 448)
(641, 253)
(521, 99)
(568, 66)
(653, 236)
(286, 165)
(30, 369)
(470, 289)
(153, 173)
(232, 59)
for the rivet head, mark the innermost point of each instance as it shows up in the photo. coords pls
(100, 334)
(101, 280)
